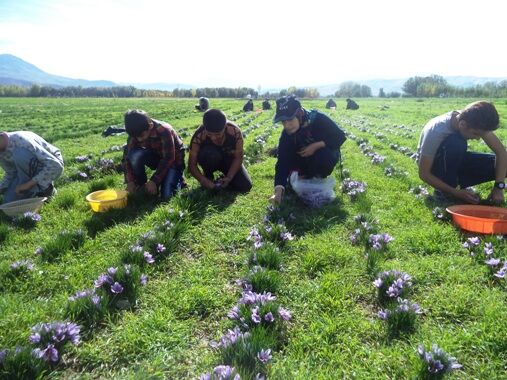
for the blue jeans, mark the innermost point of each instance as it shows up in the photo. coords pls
(212, 159)
(139, 158)
(27, 166)
(319, 164)
(455, 166)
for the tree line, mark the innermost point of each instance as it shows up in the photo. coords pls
(430, 86)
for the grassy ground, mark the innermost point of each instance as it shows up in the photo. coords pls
(335, 331)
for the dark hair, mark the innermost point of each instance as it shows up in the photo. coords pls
(480, 115)
(136, 122)
(214, 120)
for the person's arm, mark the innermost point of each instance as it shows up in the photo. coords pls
(236, 162)
(52, 167)
(494, 143)
(332, 135)
(194, 169)
(285, 157)
(167, 156)
(425, 165)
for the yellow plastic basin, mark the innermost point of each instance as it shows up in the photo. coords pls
(104, 200)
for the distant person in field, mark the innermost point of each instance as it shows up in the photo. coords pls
(249, 106)
(203, 104)
(447, 166)
(156, 145)
(330, 104)
(266, 105)
(309, 144)
(217, 146)
(351, 105)
(31, 166)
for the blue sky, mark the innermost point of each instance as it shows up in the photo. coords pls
(263, 43)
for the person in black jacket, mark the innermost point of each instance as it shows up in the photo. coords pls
(249, 106)
(330, 104)
(310, 144)
(266, 105)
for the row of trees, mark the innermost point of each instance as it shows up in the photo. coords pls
(431, 86)
(437, 86)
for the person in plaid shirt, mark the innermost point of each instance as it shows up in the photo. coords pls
(217, 145)
(154, 144)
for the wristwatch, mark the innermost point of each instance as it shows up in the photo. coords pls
(500, 185)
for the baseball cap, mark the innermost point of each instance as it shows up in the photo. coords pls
(286, 108)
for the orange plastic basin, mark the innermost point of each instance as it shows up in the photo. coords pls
(481, 219)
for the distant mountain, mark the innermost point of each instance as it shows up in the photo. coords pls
(14, 70)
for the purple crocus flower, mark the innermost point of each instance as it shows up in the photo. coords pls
(492, 262)
(112, 271)
(269, 317)
(258, 244)
(234, 313)
(264, 356)
(160, 248)
(144, 279)
(488, 249)
(383, 314)
(255, 315)
(148, 257)
(116, 288)
(101, 280)
(34, 338)
(284, 314)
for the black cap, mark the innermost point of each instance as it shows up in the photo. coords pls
(286, 108)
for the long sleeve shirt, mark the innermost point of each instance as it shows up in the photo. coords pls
(319, 128)
(165, 142)
(49, 157)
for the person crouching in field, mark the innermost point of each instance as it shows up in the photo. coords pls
(154, 144)
(217, 145)
(31, 165)
(444, 162)
(310, 144)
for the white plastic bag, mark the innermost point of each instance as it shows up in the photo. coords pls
(315, 192)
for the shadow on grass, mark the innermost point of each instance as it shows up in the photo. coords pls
(312, 220)
(200, 202)
(138, 204)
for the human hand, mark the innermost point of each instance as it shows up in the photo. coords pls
(496, 196)
(468, 196)
(24, 187)
(208, 184)
(224, 182)
(151, 188)
(309, 150)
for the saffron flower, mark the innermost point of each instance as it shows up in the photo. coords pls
(116, 288)
(148, 257)
(144, 279)
(437, 362)
(264, 356)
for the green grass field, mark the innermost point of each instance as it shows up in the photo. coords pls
(323, 279)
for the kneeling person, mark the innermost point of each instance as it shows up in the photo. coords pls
(31, 164)
(445, 163)
(217, 145)
(310, 143)
(154, 144)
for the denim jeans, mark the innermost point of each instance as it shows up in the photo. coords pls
(139, 158)
(455, 166)
(319, 164)
(27, 166)
(211, 159)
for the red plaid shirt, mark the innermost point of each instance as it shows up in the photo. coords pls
(164, 141)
